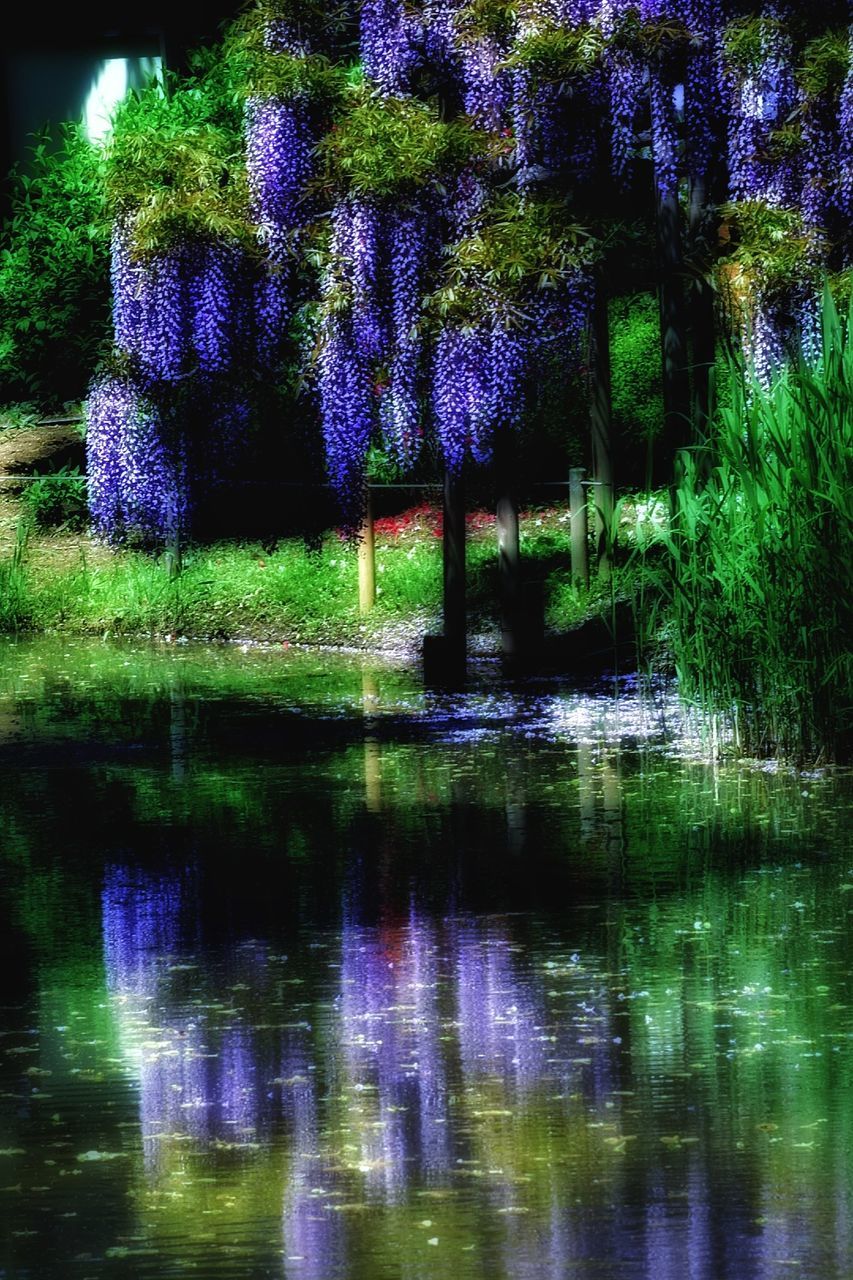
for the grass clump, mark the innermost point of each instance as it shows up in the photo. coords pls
(57, 500)
(226, 591)
(756, 584)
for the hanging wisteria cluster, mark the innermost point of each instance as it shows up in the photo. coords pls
(189, 322)
(370, 362)
(137, 466)
(544, 104)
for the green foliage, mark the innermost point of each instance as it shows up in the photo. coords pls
(58, 500)
(14, 595)
(14, 417)
(54, 273)
(825, 63)
(225, 590)
(484, 19)
(386, 146)
(757, 583)
(745, 41)
(554, 53)
(635, 367)
(840, 286)
(521, 244)
(254, 70)
(651, 39)
(771, 245)
(174, 159)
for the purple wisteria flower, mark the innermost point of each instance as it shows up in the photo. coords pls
(215, 287)
(127, 280)
(272, 308)
(845, 136)
(280, 139)
(486, 85)
(138, 488)
(346, 396)
(626, 88)
(664, 131)
(477, 375)
(389, 36)
(165, 343)
(400, 410)
(702, 103)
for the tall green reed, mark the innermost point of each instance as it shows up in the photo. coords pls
(14, 592)
(755, 586)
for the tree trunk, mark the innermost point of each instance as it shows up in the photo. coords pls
(509, 548)
(578, 525)
(673, 330)
(601, 424)
(453, 548)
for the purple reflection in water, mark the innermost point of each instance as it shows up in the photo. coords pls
(391, 1028)
(313, 1232)
(141, 926)
(194, 1080)
(501, 1019)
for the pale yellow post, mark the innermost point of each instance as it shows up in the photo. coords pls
(366, 560)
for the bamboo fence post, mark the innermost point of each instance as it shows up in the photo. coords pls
(367, 559)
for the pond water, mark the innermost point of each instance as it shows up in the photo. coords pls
(310, 973)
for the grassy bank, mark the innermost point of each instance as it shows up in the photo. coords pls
(292, 593)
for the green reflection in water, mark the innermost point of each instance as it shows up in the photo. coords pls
(317, 976)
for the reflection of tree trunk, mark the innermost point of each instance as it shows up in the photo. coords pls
(177, 733)
(586, 792)
(372, 749)
(516, 807)
(601, 426)
(611, 794)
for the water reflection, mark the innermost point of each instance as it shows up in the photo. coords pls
(457, 1083)
(316, 975)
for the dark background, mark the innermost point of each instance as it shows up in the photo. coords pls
(47, 64)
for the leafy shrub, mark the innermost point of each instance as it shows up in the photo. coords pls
(636, 367)
(57, 501)
(54, 273)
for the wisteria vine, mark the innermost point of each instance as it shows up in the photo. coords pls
(658, 92)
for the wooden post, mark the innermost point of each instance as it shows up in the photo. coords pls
(578, 526)
(366, 560)
(453, 550)
(601, 415)
(509, 568)
(444, 656)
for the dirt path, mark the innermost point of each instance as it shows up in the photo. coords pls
(27, 451)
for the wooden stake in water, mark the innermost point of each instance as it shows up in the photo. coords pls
(367, 560)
